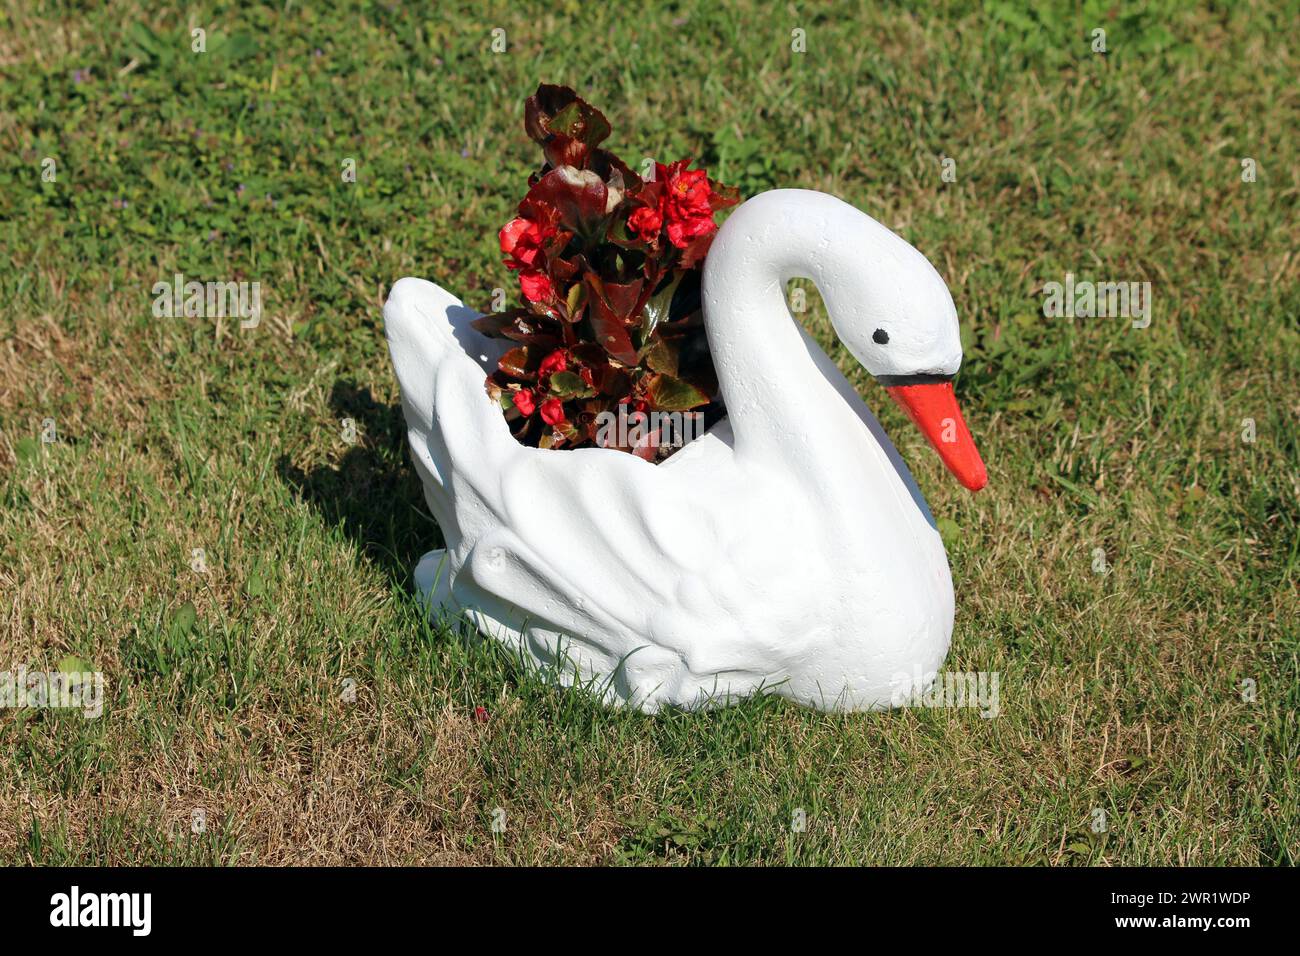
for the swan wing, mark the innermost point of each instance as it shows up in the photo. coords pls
(630, 556)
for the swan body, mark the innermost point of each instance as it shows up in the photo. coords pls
(787, 550)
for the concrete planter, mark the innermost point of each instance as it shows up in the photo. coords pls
(788, 550)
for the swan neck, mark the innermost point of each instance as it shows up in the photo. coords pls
(769, 380)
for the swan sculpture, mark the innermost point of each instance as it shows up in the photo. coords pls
(787, 550)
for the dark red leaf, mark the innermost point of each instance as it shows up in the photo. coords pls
(567, 126)
(578, 196)
(608, 290)
(521, 362)
(623, 297)
(492, 323)
(559, 110)
(561, 150)
(611, 381)
(696, 250)
(611, 334)
(722, 196)
(616, 174)
(589, 354)
(520, 325)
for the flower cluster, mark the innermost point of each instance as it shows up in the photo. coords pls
(609, 270)
(685, 203)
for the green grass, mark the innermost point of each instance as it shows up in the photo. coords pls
(1120, 692)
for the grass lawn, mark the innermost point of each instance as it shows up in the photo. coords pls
(289, 705)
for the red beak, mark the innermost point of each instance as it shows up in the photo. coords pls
(933, 407)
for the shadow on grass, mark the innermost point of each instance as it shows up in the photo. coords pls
(372, 493)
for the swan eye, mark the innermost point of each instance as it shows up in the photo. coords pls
(880, 337)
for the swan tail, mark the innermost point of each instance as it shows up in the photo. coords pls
(441, 362)
(420, 321)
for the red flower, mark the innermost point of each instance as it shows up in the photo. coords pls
(686, 204)
(522, 240)
(557, 361)
(481, 714)
(552, 411)
(536, 285)
(688, 191)
(681, 233)
(646, 222)
(525, 402)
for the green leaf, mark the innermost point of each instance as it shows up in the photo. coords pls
(1088, 497)
(569, 385)
(577, 299)
(580, 121)
(146, 45)
(1132, 764)
(673, 395)
(661, 355)
(27, 449)
(184, 619)
(254, 586)
(72, 668)
(658, 308)
(241, 46)
(74, 665)
(677, 300)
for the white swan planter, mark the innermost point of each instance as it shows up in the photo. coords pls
(787, 550)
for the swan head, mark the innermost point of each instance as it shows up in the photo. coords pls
(894, 313)
(889, 306)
